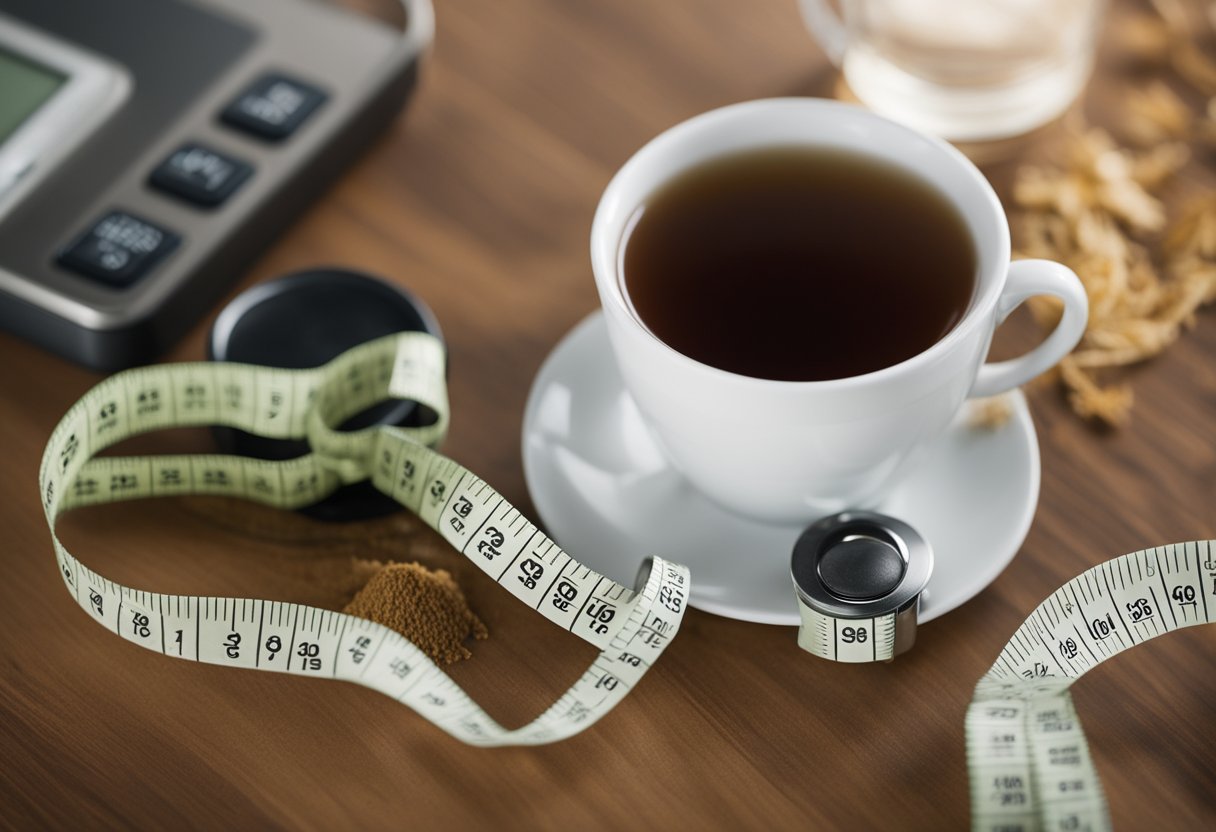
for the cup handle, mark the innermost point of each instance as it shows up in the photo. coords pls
(1028, 278)
(826, 27)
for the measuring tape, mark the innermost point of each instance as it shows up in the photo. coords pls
(858, 576)
(1030, 765)
(631, 628)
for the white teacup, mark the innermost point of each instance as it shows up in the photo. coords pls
(794, 451)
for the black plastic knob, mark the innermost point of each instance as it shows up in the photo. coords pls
(860, 568)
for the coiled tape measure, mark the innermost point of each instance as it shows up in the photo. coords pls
(631, 628)
(858, 575)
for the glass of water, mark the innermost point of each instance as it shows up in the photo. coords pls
(966, 70)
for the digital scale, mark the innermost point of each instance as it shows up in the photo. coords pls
(149, 149)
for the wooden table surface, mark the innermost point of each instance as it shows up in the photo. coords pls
(481, 200)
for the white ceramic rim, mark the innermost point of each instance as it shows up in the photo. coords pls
(605, 249)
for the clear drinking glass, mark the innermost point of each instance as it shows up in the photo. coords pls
(961, 69)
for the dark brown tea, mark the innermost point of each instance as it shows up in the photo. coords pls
(799, 264)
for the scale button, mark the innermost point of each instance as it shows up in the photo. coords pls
(200, 175)
(273, 106)
(118, 249)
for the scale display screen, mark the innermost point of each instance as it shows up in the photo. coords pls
(26, 86)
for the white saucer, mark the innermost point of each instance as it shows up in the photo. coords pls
(608, 496)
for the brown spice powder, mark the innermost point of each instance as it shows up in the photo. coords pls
(425, 606)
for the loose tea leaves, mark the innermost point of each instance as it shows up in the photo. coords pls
(1157, 114)
(1089, 216)
(1098, 210)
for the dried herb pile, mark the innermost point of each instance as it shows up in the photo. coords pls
(1098, 209)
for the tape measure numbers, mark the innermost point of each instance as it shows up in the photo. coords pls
(1030, 765)
(631, 628)
(858, 576)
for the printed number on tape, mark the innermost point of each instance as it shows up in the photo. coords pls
(1030, 765)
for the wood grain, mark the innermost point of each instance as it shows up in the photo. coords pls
(480, 200)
